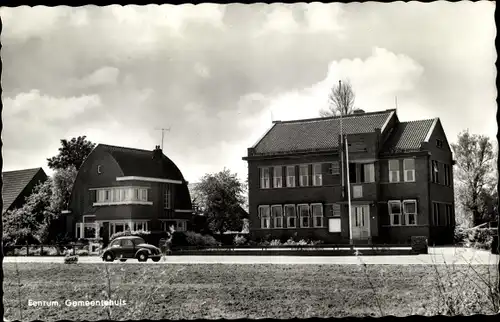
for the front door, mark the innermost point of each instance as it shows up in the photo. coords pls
(360, 222)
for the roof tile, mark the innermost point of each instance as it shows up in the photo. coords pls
(14, 183)
(407, 136)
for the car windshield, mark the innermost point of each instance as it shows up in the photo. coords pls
(138, 241)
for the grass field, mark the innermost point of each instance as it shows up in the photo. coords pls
(237, 291)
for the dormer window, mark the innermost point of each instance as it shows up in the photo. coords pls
(99, 170)
(439, 143)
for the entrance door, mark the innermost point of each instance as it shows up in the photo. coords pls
(360, 222)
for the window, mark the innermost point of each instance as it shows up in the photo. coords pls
(335, 168)
(264, 178)
(277, 213)
(410, 211)
(127, 243)
(439, 143)
(435, 214)
(317, 175)
(447, 175)
(357, 191)
(359, 217)
(409, 170)
(168, 197)
(290, 216)
(115, 243)
(77, 232)
(304, 175)
(278, 177)
(336, 210)
(334, 225)
(449, 216)
(166, 224)
(144, 195)
(393, 170)
(119, 228)
(181, 225)
(290, 176)
(353, 173)
(435, 171)
(304, 215)
(123, 195)
(395, 213)
(89, 230)
(99, 169)
(140, 225)
(317, 213)
(368, 173)
(264, 215)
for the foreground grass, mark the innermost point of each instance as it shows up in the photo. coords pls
(178, 291)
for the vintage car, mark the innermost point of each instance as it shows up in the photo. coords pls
(126, 247)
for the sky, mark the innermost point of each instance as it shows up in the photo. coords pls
(217, 75)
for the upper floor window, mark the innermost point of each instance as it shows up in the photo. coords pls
(167, 201)
(291, 217)
(447, 175)
(435, 171)
(304, 175)
(361, 173)
(439, 143)
(264, 178)
(290, 176)
(265, 217)
(99, 169)
(121, 195)
(277, 214)
(335, 168)
(278, 177)
(317, 175)
(317, 213)
(393, 170)
(304, 215)
(409, 170)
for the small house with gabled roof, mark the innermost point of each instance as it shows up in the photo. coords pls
(118, 189)
(397, 175)
(18, 185)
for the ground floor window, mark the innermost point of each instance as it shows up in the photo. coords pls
(304, 215)
(265, 217)
(395, 213)
(87, 230)
(410, 211)
(291, 217)
(317, 213)
(176, 224)
(277, 213)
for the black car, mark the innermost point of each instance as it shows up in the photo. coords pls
(126, 247)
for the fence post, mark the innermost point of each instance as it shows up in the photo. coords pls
(41, 250)
(27, 249)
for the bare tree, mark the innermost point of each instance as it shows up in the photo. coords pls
(340, 100)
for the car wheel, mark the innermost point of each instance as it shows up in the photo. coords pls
(156, 259)
(142, 257)
(108, 257)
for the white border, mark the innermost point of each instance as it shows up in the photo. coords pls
(428, 136)
(147, 179)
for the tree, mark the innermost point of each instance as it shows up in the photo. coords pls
(72, 153)
(220, 198)
(474, 174)
(340, 100)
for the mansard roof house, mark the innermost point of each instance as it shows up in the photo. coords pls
(18, 185)
(120, 189)
(400, 180)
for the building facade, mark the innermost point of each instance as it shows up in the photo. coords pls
(398, 176)
(120, 189)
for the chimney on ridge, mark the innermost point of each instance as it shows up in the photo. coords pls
(157, 153)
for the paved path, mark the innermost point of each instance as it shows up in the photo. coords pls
(460, 256)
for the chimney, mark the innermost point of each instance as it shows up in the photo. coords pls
(358, 111)
(157, 153)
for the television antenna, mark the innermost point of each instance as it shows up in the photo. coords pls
(163, 130)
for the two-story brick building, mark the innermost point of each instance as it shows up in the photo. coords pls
(120, 189)
(399, 176)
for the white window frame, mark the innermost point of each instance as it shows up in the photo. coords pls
(276, 218)
(121, 196)
(266, 215)
(288, 217)
(407, 215)
(392, 215)
(304, 178)
(314, 215)
(278, 179)
(370, 178)
(308, 216)
(317, 176)
(290, 179)
(407, 171)
(435, 171)
(167, 197)
(143, 194)
(393, 172)
(265, 180)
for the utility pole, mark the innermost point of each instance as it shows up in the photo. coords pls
(162, 135)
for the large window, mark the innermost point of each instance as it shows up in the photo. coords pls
(277, 214)
(410, 211)
(435, 214)
(304, 215)
(304, 175)
(317, 213)
(278, 177)
(265, 217)
(361, 172)
(121, 195)
(409, 170)
(435, 171)
(167, 198)
(447, 175)
(317, 175)
(393, 170)
(449, 215)
(395, 213)
(290, 176)
(264, 178)
(291, 217)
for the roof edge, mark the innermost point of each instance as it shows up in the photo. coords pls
(28, 169)
(433, 126)
(338, 117)
(387, 121)
(264, 135)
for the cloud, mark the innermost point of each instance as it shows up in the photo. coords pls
(101, 77)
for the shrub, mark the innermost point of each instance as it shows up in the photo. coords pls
(71, 259)
(196, 239)
(480, 238)
(82, 252)
(460, 235)
(419, 244)
(275, 242)
(239, 240)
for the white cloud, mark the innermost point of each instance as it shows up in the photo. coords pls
(102, 76)
(323, 17)
(202, 70)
